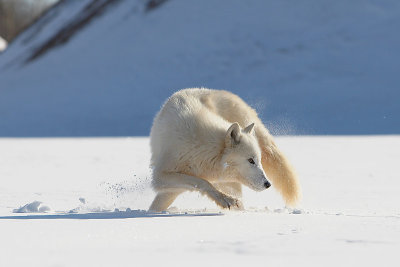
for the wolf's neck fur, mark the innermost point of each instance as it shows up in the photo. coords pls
(204, 154)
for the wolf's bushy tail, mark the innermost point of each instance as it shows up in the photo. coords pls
(278, 168)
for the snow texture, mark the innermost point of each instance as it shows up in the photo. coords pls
(309, 67)
(349, 216)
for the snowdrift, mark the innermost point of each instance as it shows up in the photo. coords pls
(103, 68)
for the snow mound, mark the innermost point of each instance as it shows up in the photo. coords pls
(34, 207)
(290, 211)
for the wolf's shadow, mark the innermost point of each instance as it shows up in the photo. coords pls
(105, 215)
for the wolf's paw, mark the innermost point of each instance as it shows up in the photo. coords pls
(228, 202)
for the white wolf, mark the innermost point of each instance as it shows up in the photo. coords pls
(211, 141)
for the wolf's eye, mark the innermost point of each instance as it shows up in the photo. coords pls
(251, 161)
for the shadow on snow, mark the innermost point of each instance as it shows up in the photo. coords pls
(106, 215)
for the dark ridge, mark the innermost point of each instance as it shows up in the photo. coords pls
(39, 26)
(43, 16)
(153, 4)
(83, 19)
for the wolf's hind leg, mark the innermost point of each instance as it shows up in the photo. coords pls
(163, 200)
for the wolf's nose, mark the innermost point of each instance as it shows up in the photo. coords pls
(267, 184)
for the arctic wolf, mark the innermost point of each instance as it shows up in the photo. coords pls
(212, 142)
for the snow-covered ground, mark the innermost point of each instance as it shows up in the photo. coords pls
(349, 216)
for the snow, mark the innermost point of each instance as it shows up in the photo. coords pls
(349, 215)
(309, 67)
(35, 206)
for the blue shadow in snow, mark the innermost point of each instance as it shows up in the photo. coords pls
(106, 215)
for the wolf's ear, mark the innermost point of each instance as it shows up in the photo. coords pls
(233, 135)
(249, 129)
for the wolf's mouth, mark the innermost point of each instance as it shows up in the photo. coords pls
(258, 187)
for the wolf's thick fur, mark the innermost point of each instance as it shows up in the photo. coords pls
(211, 141)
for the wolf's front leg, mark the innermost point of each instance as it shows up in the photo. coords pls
(225, 201)
(231, 189)
(178, 182)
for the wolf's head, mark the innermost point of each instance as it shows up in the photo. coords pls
(242, 157)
